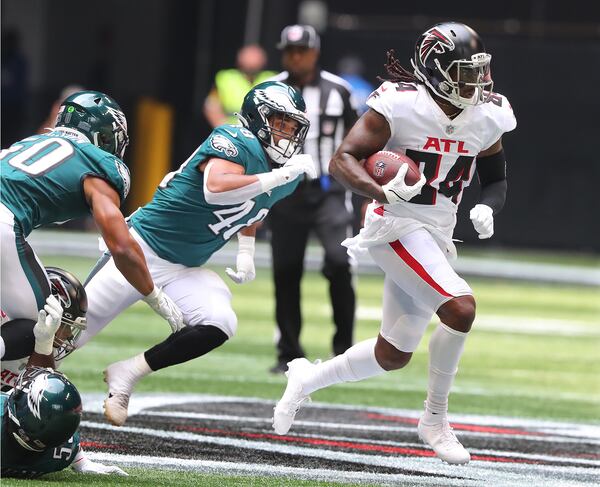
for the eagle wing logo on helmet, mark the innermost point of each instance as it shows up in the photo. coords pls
(36, 393)
(434, 41)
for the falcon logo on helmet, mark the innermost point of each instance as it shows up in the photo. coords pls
(434, 41)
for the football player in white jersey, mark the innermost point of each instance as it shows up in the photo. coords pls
(446, 118)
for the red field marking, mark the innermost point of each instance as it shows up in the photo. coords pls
(97, 444)
(457, 426)
(348, 444)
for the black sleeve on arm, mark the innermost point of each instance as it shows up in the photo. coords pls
(18, 337)
(492, 176)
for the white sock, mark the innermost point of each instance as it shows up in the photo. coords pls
(445, 349)
(356, 363)
(131, 371)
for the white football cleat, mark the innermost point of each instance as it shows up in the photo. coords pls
(120, 382)
(293, 397)
(444, 442)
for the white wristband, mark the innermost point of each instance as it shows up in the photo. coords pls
(153, 295)
(270, 180)
(245, 245)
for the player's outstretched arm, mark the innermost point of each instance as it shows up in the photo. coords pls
(126, 252)
(369, 135)
(225, 182)
(129, 258)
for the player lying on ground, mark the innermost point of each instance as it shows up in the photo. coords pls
(224, 188)
(445, 117)
(72, 171)
(40, 408)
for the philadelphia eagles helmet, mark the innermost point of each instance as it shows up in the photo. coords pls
(267, 110)
(44, 409)
(73, 299)
(98, 117)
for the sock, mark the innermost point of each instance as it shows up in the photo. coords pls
(188, 343)
(445, 349)
(131, 370)
(356, 363)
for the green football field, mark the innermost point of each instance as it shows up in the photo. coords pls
(533, 352)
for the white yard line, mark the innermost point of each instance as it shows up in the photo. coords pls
(503, 474)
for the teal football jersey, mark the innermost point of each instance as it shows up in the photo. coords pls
(42, 178)
(22, 463)
(180, 226)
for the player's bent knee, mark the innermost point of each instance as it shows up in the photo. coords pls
(458, 313)
(224, 319)
(388, 356)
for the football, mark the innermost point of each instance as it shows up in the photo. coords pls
(383, 166)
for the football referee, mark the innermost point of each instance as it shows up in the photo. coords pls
(321, 205)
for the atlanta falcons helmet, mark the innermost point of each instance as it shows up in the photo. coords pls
(73, 299)
(44, 409)
(450, 59)
(272, 98)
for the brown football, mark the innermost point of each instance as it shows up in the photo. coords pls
(383, 166)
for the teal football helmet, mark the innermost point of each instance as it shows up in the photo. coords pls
(98, 117)
(44, 409)
(267, 110)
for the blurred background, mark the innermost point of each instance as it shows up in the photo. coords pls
(158, 59)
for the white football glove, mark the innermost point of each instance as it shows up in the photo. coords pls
(482, 217)
(47, 324)
(397, 189)
(83, 464)
(296, 166)
(244, 262)
(165, 307)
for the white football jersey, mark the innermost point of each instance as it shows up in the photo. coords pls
(10, 368)
(444, 149)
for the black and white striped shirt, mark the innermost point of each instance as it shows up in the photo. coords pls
(331, 112)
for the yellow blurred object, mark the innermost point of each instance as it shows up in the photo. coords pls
(152, 150)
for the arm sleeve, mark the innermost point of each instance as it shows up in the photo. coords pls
(18, 338)
(491, 171)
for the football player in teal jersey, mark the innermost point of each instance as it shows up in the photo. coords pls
(73, 170)
(226, 187)
(39, 422)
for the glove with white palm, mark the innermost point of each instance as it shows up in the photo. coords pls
(397, 189)
(160, 302)
(82, 464)
(482, 217)
(47, 324)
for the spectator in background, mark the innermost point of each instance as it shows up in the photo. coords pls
(321, 205)
(231, 85)
(66, 92)
(15, 78)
